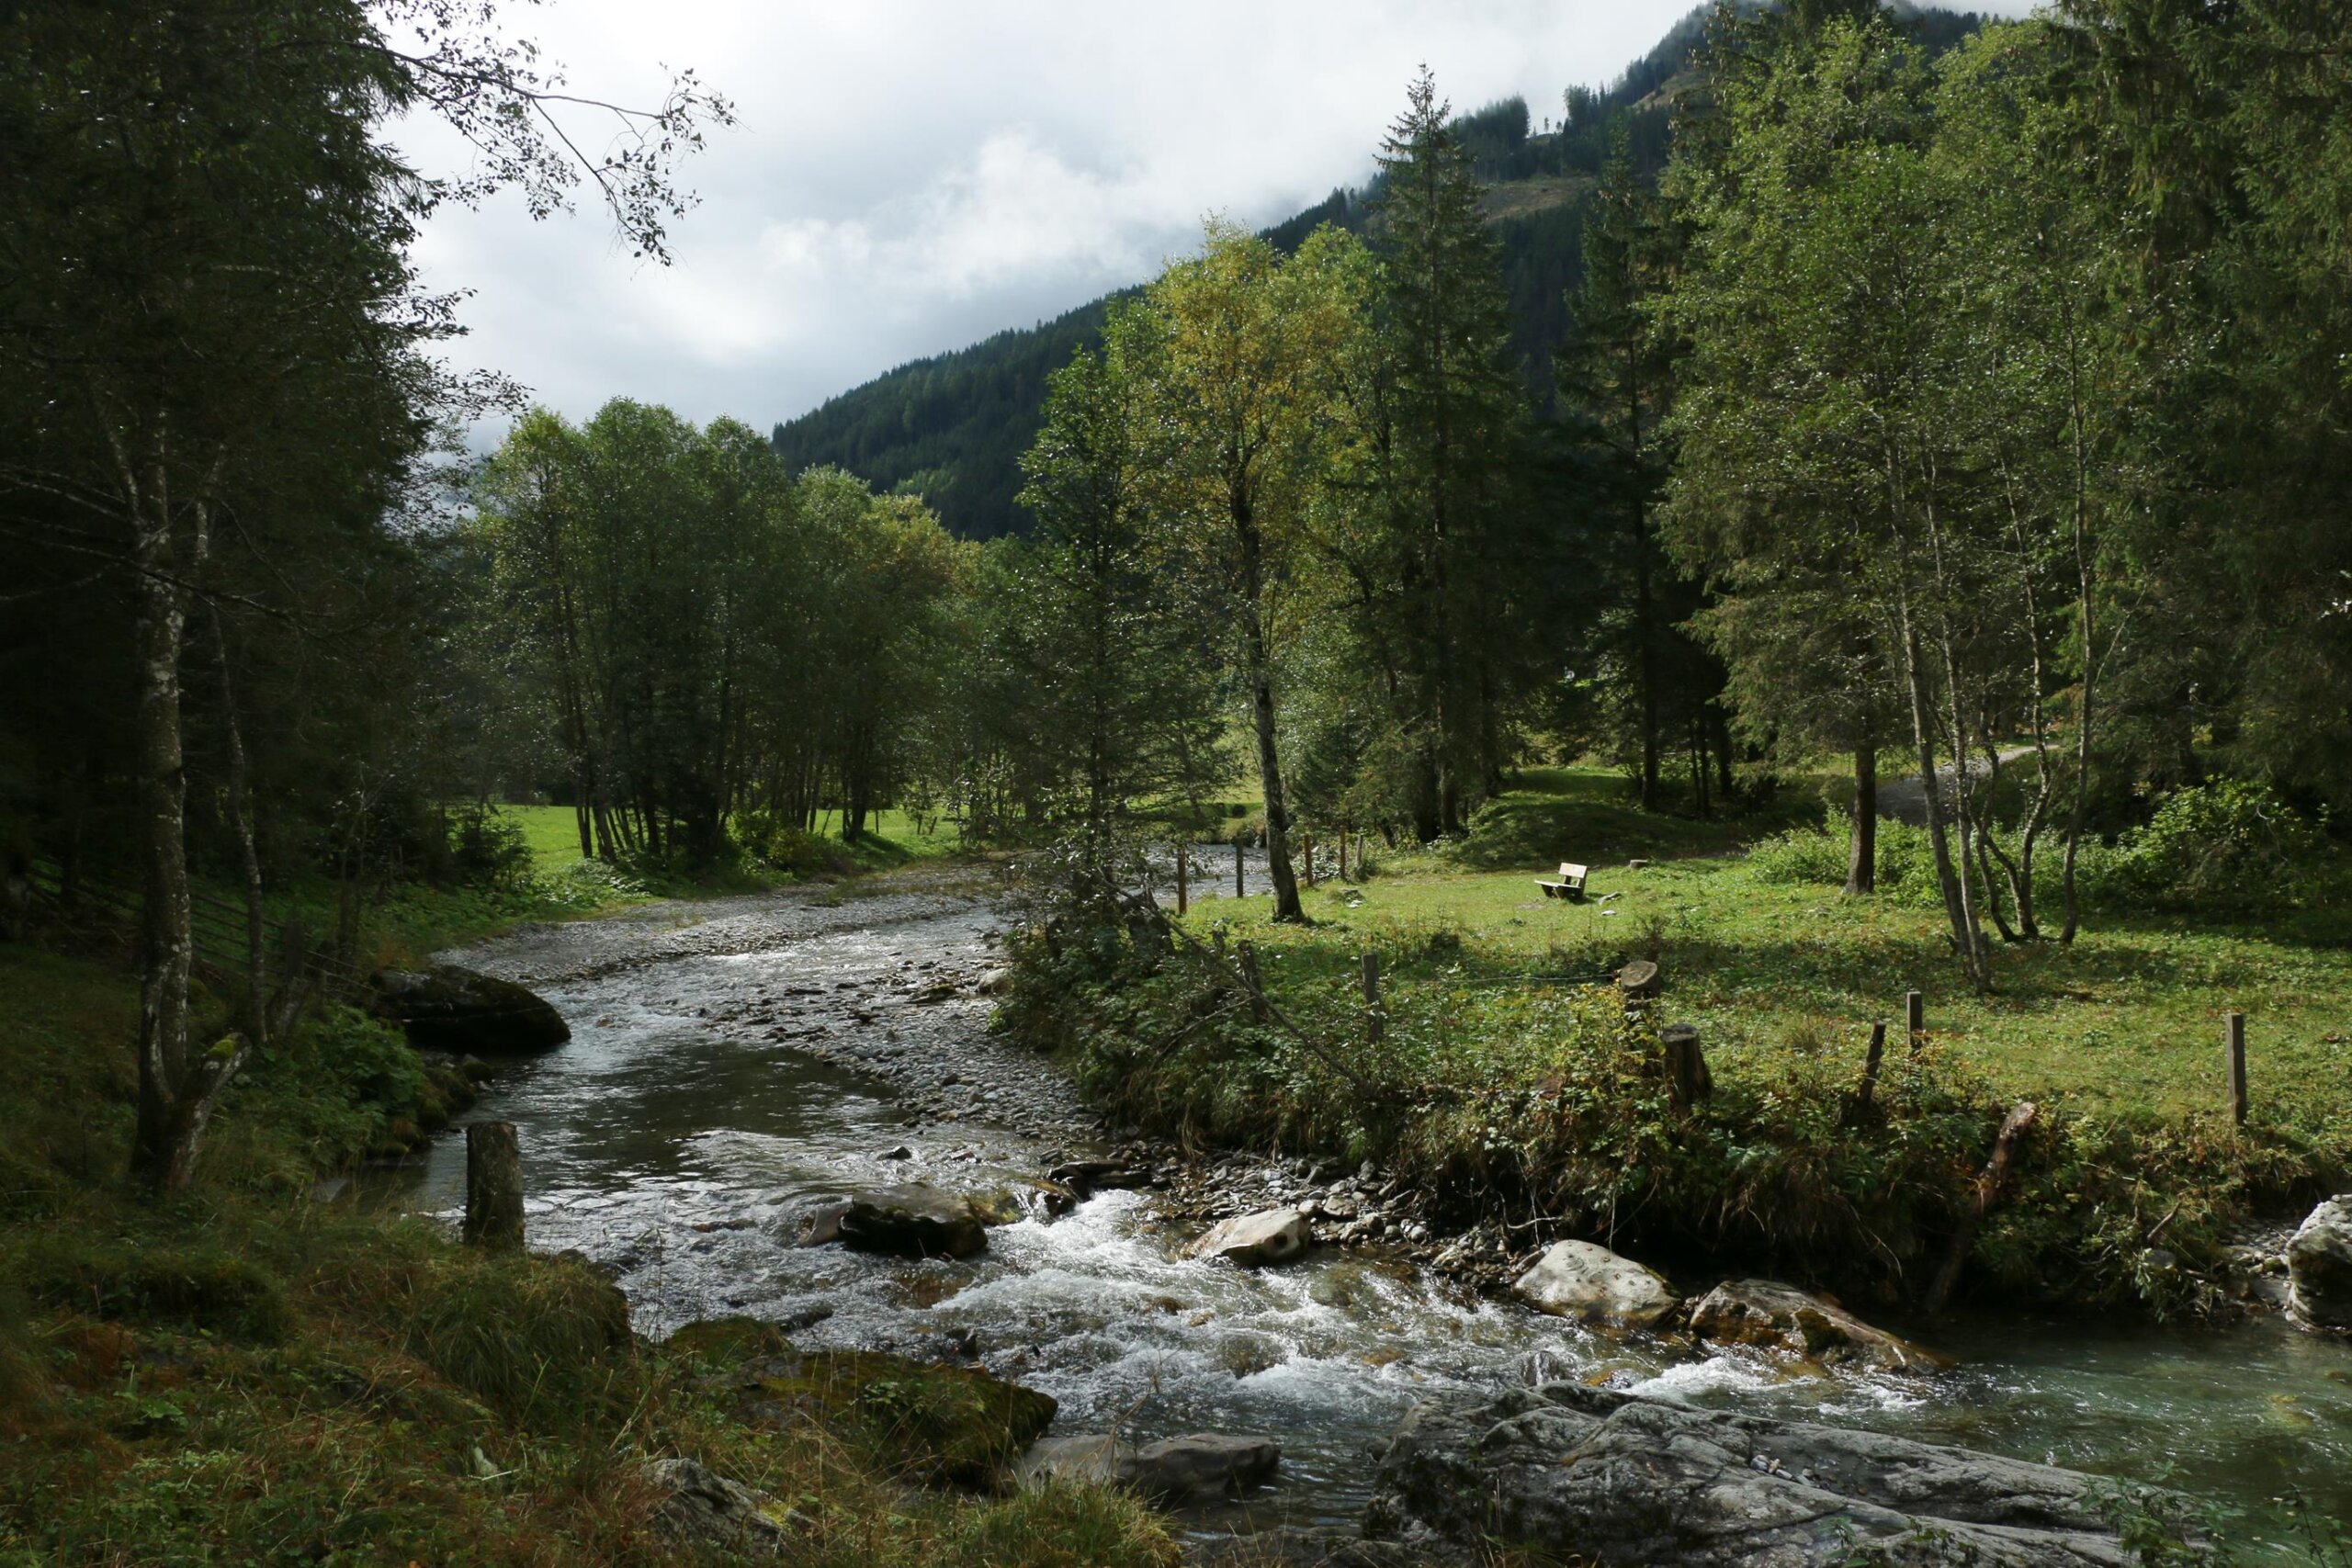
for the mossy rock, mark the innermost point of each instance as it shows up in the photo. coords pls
(729, 1342)
(949, 1424)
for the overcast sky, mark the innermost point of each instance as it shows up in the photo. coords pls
(911, 175)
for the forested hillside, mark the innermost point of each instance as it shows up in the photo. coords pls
(952, 427)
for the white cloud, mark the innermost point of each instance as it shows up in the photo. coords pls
(911, 175)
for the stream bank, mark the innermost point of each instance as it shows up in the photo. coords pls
(738, 1065)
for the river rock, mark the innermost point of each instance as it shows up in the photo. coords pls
(1782, 1317)
(932, 1422)
(2319, 1266)
(1173, 1471)
(911, 1221)
(449, 1009)
(1592, 1284)
(1087, 1457)
(1202, 1465)
(699, 1505)
(1271, 1235)
(1621, 1478)
(730, 1339)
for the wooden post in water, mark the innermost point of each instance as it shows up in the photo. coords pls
(1180, 902)
(2234, 1048)
(1915, 1018)
(1372, 1017)
(1688, 1081)
(1237, 886)
(494, 1186)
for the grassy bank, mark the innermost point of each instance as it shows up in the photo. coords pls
(1511, 1088)
(246, 1375)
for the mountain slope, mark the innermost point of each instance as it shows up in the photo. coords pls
(952, 427)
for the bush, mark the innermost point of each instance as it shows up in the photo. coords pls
(786, 847)
(487, 849)
(2230, 841)
(318, 1099)
(1803, 856)
(200, 1286)
(530, 1335)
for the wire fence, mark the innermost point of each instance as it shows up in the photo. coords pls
(220, 933)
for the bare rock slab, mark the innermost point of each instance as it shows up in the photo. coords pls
(1782, 1317)
(1620, 1478)
(1591, 1284)
(1271, 1235)
(699, 1506)
(2319, 1266)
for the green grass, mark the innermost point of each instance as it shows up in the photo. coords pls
(2129, 1016)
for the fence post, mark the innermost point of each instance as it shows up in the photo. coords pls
(1372, 1017)
(1915, 1019)
(494, 1186)
(1237, 885)
(2235, 1047)
(1180, 877)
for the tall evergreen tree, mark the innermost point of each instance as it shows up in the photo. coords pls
(1450, 435)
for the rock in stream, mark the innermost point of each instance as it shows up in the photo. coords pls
(1620, 1478)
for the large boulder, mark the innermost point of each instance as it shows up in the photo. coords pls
(1592, 1284)
(1176, 1469)
(915, 1220)
(446, 1008)
(696, 1505)
(1620, 1478)
(1271, 1235)
(2319, 1266)
(1782, 1317)
(1204, 1464)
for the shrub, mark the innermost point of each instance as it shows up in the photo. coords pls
(487, 849)
(2231, 841)
(788, 848)
(1806, 856)
(531, 1336)
(200, 1286)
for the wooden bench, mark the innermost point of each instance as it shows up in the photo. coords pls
(1570, 885)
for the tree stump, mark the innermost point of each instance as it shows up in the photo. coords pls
(1639, 983)
(494, 1186)
(1688, 1081)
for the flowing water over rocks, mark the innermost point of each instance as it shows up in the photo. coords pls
(739, 1064)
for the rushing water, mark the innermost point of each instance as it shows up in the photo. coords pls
(732, 1066)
